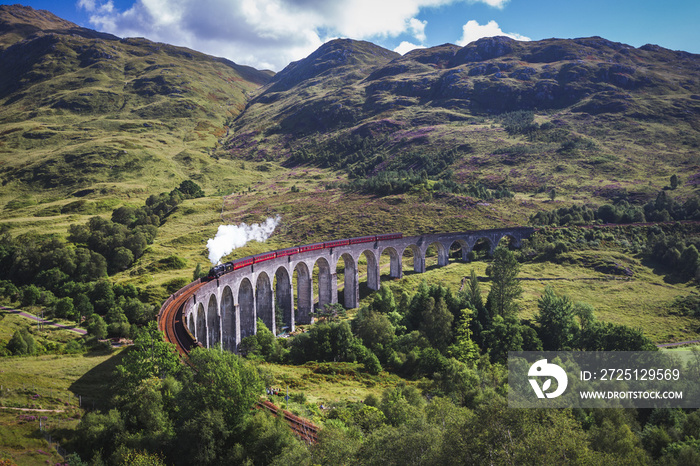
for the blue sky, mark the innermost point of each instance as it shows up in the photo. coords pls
(271, 33)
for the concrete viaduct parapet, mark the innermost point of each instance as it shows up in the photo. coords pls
(225, 310)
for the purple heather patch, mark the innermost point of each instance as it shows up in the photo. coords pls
(694, 180)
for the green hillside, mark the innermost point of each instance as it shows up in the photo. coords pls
(589, 117)
(90, 113)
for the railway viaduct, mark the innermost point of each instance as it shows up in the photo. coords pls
(224, 310)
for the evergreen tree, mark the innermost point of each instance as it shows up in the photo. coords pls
(464, 348)
(557, 323)
(505, 287)
(17, 345)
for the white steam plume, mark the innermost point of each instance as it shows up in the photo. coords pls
(230, 237)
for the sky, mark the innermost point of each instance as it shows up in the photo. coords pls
(269, 34)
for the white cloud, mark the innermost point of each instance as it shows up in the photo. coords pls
(473, 31)
(88, 5)
(264, 33)
(404, 47)
(417, 28)
(494, 3)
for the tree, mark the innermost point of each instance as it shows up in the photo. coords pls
(83, 306)
(30, 295)
(64, 308)
(122, 258)
(97, 327)
(675, 181)
(436, 323)
(504, 335)
(150, 356)
(17, 345)
(557, 322)
(464, 349)
(223, 381)
(190, 189)
(374, 329)
(384, 301)
(198, 273)
(330, 312)
(505, 287)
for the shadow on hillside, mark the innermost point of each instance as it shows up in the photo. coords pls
(96, 386)
(665, 272)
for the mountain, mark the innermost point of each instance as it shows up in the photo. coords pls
(80, 108)
(530, 115)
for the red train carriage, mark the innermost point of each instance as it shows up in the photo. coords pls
(389, 236)
(287, 252)
(240, 263)
(363, 239)
(311, 247)
(266, 256)
(336, 243)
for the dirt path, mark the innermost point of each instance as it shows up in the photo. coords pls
(35, 409)
(678, 343)
(43, 321)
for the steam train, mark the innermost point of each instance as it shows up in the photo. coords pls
(221, 269)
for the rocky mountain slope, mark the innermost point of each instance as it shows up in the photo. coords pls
(80, 108)
(564, 113)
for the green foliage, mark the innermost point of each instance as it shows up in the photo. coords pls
(330, 312)
(328, 341)
(222, 381)
(505, 288)
(518, 122)
(97, 327)
(558, 328)
(375, 330)
(662, 209)
(22, 343)
(150, 356)
(263, 344)
(198, 272)
(190, 189)
(464, 348)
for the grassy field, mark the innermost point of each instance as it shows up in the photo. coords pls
(325, 384)
(55, 388)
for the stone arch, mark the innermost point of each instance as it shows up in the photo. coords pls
(228, 320)
(213, 324)
(325, 283)
(246, 308)
(351, 290)
(442, 258)
(483, 245)
(284, 299)
(305, 293)
(264, 301)
(417, 258)
(459, 250)
(394, 262)
(508, 240)
(201, 326)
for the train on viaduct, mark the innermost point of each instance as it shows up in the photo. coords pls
(222, 309)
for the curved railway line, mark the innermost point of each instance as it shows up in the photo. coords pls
(170, 323)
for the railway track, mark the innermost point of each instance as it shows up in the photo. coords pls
(170, 320)
(302, 428)
(171, 324)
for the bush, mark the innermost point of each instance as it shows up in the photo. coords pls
(21, 343)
